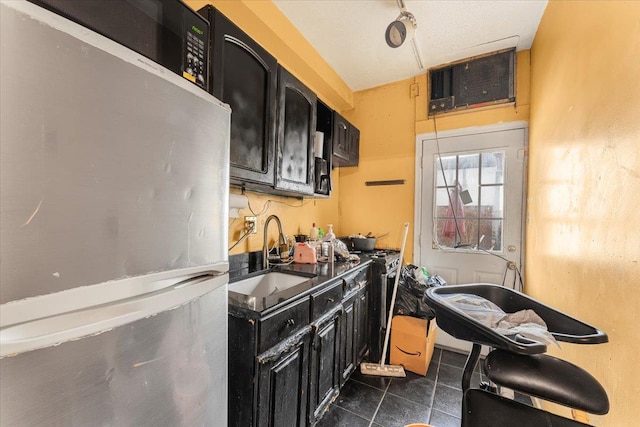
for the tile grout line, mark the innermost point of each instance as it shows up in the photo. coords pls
(444, 385)
(351, 412)
(444, 411)
(380, 403)
(435, 385)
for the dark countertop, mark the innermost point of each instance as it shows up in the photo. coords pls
(318, 274)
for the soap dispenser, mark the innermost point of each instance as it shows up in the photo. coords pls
(330, 236)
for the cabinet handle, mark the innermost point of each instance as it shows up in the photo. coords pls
(291, 322)
(330, 300)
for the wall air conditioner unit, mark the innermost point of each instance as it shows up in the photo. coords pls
(472, 83)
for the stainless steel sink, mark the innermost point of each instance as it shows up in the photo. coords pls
(267, 284)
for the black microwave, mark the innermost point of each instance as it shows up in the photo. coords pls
(166, 31)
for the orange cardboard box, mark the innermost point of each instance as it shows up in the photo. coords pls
(412, 342)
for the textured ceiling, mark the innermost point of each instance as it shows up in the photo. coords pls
(349, 34)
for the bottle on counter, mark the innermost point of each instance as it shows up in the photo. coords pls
(327, 244)
(313, 233)
(330, 236)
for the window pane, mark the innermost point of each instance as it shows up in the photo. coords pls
(491, 201)
(442, 203)
(470, 199)
(492, 168)
(449, 164)
(451, 237)
(447, 239)
(449, 204)
(471, 238)
(491, 235)
(468, 169)
(468, 208)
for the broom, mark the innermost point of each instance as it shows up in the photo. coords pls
(381, 369)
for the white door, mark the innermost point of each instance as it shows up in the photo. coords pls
(471, 205)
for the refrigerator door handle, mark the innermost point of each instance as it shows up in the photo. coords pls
(60, 328)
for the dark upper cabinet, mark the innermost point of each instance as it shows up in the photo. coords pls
(354, 146)
(346, 142)
(340, 139)
(274, 118)
(296, 126)
(244, 75)
(322, 171)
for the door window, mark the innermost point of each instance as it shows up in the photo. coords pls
(468, 209)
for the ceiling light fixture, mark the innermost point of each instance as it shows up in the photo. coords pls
(403, 29)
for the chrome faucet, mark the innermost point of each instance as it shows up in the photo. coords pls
(265, 246)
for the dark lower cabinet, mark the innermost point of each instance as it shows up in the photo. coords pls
(347, 338)
(354, 343)
(269, 365)
(287, 364)
(324, 380)
(362, 317)
(282, 382)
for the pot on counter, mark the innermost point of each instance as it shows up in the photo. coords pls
(364, 244)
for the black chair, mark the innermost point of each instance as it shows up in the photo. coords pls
(519, 363)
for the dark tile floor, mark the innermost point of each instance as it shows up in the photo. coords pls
(435, 399)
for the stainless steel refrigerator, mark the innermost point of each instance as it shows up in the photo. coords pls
(113, 247)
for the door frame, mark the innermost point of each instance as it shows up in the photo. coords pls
(417, 214)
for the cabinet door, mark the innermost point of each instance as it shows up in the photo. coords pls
(354, 146)
(347, 339)
(340, 139)
(244, 76)
(324, 382)
(282, 383)
(362, 318)
(296, 132)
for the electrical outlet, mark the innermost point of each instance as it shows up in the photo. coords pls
(251, 223)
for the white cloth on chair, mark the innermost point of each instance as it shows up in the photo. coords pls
(524, 322)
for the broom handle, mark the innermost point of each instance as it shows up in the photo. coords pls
(393, 297)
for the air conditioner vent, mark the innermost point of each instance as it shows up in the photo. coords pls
(473, 83)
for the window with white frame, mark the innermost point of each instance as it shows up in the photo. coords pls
(469, 201)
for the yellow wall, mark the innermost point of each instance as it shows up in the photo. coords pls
(583, 235)
(385, 117)
(389, 118)
(296, 216)
(579, 89)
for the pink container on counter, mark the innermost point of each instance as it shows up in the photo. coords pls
(304, 254)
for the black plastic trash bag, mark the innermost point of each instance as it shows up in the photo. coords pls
(410, 299)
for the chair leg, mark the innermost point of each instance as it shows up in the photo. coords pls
(472, 362)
